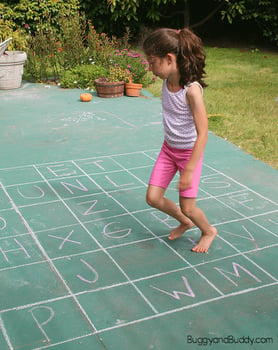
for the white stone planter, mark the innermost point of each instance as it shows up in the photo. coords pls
(11, 69)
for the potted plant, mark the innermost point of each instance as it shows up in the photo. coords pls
(113, 84)
(137, 67)
(132, 89)
(11, 66)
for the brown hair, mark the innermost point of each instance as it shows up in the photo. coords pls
(187, 47)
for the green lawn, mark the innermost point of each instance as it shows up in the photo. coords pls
(242, 99)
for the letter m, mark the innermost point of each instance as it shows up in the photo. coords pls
(236, 267)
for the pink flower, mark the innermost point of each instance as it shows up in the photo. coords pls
(26, 25)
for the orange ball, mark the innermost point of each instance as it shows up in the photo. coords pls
(86, 97)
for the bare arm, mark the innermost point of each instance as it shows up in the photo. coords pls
(196, 103)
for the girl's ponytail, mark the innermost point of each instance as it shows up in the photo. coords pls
(190, 58)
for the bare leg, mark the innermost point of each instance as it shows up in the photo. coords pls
(155, 198)
(189, 208)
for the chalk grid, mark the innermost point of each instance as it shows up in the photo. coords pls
(78, 242)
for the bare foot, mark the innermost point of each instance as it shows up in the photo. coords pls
(205, 242)
(178, 231)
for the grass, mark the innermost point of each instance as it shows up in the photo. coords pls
(242, 99)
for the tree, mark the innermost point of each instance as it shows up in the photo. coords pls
(263, 12)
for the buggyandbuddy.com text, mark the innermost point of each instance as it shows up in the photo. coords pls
(230, 339)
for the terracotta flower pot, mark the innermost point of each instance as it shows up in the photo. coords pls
(108, 89)
(133, 89)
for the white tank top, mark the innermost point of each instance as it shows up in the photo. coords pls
(179, 127)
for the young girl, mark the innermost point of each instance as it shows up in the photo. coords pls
(177, 57)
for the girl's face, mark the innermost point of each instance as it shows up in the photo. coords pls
(159, 66)
(162, 67)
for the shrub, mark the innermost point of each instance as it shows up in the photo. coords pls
(133, 62)
(43, 56)
(7, 30)
(71, 40)
(60, 39)
(100, 45)
(50, 52)
(37, 15)
(82, 76)
(117, 74)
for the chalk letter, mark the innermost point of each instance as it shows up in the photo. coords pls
(92, 269)
(4, 224)
(215, 183)
(114, 184)
(81, 188)
(176, 294)
(14, 250)
(236, 274)
(38, 196)
(64, 171)
(122, 233)
(65, 239)
(96, 163)
(250, 236)
(242, 199)
(45, 322)
(166, 220)
(88, 211)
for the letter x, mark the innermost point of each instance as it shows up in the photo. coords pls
(65, 239)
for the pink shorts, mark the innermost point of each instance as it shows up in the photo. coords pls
(169, 161)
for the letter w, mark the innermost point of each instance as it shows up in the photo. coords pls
(176, 294)
(235, 267)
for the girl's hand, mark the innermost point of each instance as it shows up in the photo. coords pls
(185, 180)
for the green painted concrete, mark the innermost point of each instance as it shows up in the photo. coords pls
(86, 264)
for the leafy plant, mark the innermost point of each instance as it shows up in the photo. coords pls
(8, 29)
(117, 74)
(134, 62)
(100, 45)
(71, 40)
(82, 76)
(50, 52)
(37, 15)
(43, 60)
